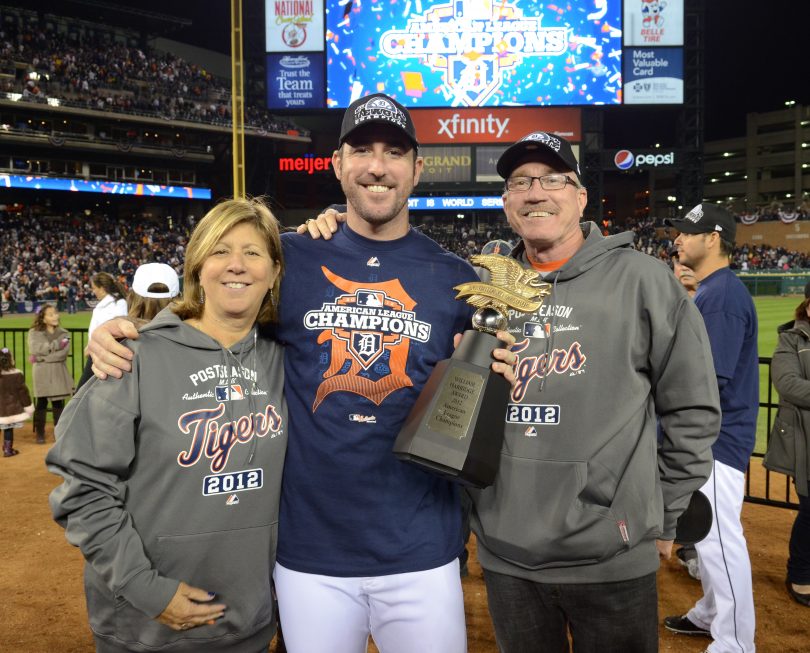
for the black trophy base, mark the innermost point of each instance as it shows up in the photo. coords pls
(455, 428)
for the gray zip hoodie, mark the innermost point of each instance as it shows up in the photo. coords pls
(173, 474)
(582, 492)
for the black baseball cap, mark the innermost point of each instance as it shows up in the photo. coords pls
(704, 219)
(377, 108)
(557, 146)
(695, 522)
(807, 290)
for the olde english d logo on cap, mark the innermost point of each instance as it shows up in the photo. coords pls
(379, 109)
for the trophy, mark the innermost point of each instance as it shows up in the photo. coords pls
(455, 428)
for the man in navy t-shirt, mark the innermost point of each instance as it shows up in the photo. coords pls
(726, 610)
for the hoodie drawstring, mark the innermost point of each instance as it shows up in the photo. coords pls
(549, 347)
(251, 394)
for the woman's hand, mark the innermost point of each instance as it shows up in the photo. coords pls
(190, 608)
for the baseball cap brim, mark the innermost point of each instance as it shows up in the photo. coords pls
(514, 153)
(687, 226)
(386, 123)
(695, 522)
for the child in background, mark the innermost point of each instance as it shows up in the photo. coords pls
(15, 401)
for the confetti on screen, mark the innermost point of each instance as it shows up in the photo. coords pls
(414, 84)
(475, 52)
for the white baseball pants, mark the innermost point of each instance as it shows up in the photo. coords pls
(420, 612)
(727, 605)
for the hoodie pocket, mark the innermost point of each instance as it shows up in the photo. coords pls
(781, 453)
(538, 519)
(235, 564)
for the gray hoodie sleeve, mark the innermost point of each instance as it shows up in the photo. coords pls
(94, 449)
(687, 402)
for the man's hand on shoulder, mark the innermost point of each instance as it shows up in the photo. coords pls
(323, 226)
(110, 357)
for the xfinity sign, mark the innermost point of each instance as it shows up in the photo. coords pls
(626, 160)
(457, 125)
(495, 125)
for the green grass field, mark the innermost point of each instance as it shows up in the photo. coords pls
(771, 311)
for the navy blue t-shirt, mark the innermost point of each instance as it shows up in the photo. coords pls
(364, 323)
(731, 322)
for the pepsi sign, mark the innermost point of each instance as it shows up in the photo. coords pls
(624, 159)
(627, 160)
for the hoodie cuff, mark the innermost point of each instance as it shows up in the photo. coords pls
(670, 523)
(150, 592)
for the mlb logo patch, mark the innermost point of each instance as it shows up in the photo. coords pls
(536, 330)
(229, 392)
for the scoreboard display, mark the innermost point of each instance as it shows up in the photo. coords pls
(474, 53)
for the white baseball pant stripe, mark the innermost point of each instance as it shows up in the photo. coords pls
(404, 613)
(727, 605)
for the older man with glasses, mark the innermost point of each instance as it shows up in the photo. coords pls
(584, 504)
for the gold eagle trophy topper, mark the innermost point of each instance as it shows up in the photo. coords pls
(455, 428)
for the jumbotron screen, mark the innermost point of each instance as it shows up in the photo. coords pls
(475, 53)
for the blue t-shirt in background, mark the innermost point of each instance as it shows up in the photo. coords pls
(731, 322)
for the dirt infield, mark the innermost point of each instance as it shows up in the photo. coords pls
(44, 607)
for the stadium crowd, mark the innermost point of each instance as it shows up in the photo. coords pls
(465, 241)
(53, 258)
(90, 69)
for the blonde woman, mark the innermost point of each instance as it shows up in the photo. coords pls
(172, 475)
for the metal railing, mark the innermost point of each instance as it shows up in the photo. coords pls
(771, 478)
(17, 342)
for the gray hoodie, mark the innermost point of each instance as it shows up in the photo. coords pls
(582, 492)
(173, 473)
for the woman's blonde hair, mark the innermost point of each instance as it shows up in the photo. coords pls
(210, 230)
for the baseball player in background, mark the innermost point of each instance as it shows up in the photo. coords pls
(726, 611)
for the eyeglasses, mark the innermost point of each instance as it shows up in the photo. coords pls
(547, 182)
